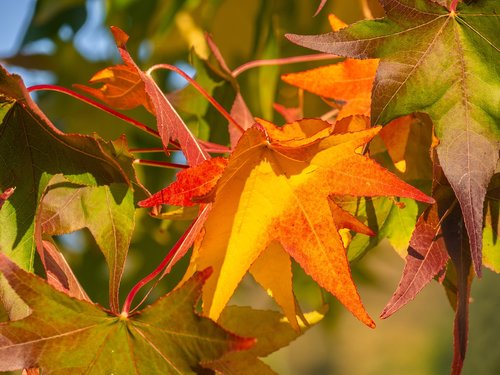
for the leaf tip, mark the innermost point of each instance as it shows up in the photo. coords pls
(371, 324)
(292, 37)
(478, 269)
(120, 36)
(421, 197)
(363, 316)
(385, 313)
(321, 6)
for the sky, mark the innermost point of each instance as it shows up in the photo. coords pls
(13, 23)
(94, 41)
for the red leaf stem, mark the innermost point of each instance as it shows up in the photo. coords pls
(161, 164)
(200, 89)
(283, 61)
(453, 5)
(151, 150)
(179, 249)
(96, 104)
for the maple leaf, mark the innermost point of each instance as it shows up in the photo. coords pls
(276, 187)
(108, 213)
(427, 254)
(438, 237)
(127, 86)
(448, 70)
(190, 183)
(122, 88)
(33, 151)
(391, 218)
(167, 337)
(350, 81)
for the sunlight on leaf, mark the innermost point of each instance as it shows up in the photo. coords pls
(167, 337)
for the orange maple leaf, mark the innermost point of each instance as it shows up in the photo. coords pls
(191, 183)
(122, 88)
(350, 81)
(127, 86)
(276, 189)
(396, 137)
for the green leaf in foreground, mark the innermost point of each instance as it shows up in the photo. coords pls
(443, 63)
(167, 337)
(33, 151)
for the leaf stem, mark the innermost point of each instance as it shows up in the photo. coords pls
(282, 61)
(161, 164)
(214, 147)
(96, 104)
(453, 5)
(200, 89)
(151, 150)
(164, 263)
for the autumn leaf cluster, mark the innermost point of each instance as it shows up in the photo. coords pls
(408, 151)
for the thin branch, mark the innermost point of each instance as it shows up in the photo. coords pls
(282, 61)
(200, 89)
(96, 104)
(161, 164)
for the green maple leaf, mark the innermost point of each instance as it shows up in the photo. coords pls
(32, 151)
(444, 63)
(107, 211)
(64, 335)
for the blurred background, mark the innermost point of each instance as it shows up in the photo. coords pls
(65, 42)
